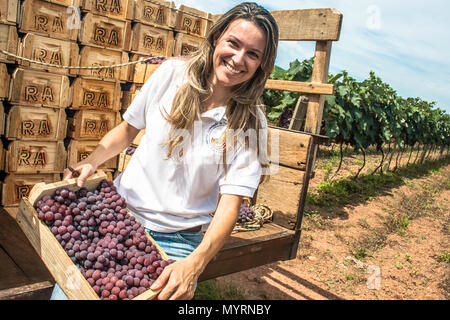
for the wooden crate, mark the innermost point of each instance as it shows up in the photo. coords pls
(155, 12)
(8, 42)
(137, 140)
(140, 72)
(152, 40)
(17, 186)
(79, 150)
(36, 123)
(49, 19)
(64, 271)
(65, 2)
(31, 87)
(2, 121)
(97, 57)
(105, 32)
(5, 79)
(35, 157)
(118, 9)
(8, 11)
(51, 51)
(129, 95)
(123, 160)
(96, 94)
(186, 44)
(192, 21)
(92, 124)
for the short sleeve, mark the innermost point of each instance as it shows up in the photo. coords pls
(244, 173)
(149, 95)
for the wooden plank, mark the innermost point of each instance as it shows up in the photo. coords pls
(5, 79)
(151, 40)
(298, 86)
(96, 94)
(118, 9)
(140, 72)
(298, 116)
(105, 32)
(49, 19)
(155, 12)
(292, 149)
(38, 88)
(15, 275)
(308, 24)
(36, 123)
(8, 42)
(8, 11)
(17, 247)
(35, 291)
(128, 95)
(2, 119)
(51, 51)
(290, 183)
(137, 140)
(35, 157)
(98, 57)
(92, 124)
(186, 44)
(17, 186)
(192, 21)
(80, 150)
(245, 250)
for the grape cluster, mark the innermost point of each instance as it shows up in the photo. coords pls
(107, 244)
(158, 60)
(245, 214)
(130, 150)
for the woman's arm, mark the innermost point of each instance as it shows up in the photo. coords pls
(178, 279)
(115, 141)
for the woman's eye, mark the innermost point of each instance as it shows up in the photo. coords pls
(233, 43)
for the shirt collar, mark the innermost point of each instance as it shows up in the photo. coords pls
(216, 114)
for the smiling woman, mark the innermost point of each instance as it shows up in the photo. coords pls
(179, 176)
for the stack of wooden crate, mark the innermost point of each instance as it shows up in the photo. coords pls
(35, 125)
(104, 39)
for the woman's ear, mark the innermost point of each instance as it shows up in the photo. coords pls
(215, 38)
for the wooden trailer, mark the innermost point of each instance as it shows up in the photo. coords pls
(28, 278)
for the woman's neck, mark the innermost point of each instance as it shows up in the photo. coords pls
(218, 98)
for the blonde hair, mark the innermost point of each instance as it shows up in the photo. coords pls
(241, 110)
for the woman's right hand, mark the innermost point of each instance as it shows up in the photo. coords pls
(84, 169)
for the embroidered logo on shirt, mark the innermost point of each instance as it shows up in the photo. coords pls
(215, 137)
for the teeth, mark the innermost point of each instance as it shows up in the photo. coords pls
(230, 68)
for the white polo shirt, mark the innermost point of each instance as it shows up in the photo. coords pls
(167, 194)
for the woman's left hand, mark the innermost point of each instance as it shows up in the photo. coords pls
(177, 281)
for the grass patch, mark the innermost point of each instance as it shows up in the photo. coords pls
(212, 290)
(444, 257)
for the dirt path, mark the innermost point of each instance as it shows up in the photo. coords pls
(394, 245)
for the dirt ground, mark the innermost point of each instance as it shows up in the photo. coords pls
(393, 245)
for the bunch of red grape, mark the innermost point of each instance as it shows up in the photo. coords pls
(130, 150)
(156, 60)
(245, 214)
(107, 244)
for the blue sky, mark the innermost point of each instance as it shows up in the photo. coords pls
(405, 42)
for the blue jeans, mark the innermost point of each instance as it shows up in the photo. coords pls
(177, 246)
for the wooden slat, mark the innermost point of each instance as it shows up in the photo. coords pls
(292, 150)
(5, 79)
(8, 11)
(2, 120)
(245, 250)
(140, 72)
(308, 24)
(35, 291)
(97, 57)
(291, 182)
(298, 86)
(8, 42)
(25, 267)
(79, 150)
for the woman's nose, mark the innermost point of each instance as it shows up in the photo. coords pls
(238, 57)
